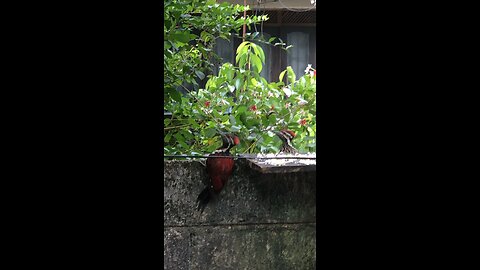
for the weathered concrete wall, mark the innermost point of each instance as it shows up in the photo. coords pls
(259, 221)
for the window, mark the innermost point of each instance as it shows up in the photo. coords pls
(226, 51)
(294, 28)
(297, 56)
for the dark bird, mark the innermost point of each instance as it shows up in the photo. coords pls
(286, 136)
(218, 169)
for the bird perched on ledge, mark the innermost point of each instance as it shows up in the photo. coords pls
(218, 169)
(286, 136)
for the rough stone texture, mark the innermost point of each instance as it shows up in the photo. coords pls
(259, 221)
(240, 247)
(248, 197)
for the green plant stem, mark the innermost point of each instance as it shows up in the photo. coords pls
(167, 128)
(252, 145)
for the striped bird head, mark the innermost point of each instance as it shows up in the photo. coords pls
(286, 136)
(229, 140)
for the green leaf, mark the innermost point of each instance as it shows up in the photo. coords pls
(311, 132)
(254, 82)
(237, 119)
(240, 47)
(242, 61)
(280, 78)
(243, 118)
(216, 114)
(290, 74)
(230, 73)
(167, 137)
(274, 149)
(210, 132)
(232, 120)
(236, 128)
(179, 137)
(287, 117)
(194, 123)
(200, 74)
(187, 134)
(302, 81)
(265, 83)
(196, 86)
(256, 62)
(237, 58)
(175, 95)
(238, 83)
(272, 120)
(271, 39)
(224, 118)
(211, 124)
(210, 83)
(166, 45)
(252, 122)
(183, 37)
(205, 36)
(264, 120)
(259, 52)
(241, 109)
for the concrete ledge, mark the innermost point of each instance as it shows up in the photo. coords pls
(248, 197)
(258, 222)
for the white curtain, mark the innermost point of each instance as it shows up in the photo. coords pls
(297, 56)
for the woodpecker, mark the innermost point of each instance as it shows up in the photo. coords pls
(218, 169)
(287, 136)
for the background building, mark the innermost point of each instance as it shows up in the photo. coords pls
(294, 22)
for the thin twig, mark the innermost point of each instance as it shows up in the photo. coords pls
(167, 128)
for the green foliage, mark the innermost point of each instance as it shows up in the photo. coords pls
(190, 30)
(239, 100)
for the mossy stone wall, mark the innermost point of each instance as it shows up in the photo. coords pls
(259, 221)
